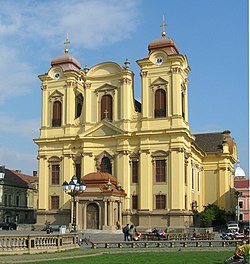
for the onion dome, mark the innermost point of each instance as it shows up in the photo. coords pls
(66, 61)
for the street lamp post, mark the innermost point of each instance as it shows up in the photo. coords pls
(74, 188)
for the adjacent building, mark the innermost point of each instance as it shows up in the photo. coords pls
(241, 184)
(140, 161)
(18, 197)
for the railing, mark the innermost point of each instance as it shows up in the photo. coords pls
(167, 243)
(177, 236)
(20, 244)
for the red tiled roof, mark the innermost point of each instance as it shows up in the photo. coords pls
(241, 184)
(16, 178)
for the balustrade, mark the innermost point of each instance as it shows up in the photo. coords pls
(167, 243)
(20, 244)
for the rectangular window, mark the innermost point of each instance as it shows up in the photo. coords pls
(5, 200)
(55, 174)
(78, 172)
(54, 202)
(17, 200)
(198, 181)
(160, 172)
(134, 171)
(241, 204)
(192, 177)
(241, 217)
(9, 200)
(160, 201)
(185, 172)
(185, 202)
(26, 201)
(134, 202)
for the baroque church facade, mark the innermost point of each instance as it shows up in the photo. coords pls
(139, 160)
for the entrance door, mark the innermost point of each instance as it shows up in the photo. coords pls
(92, 216)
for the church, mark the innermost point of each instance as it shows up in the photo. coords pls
(140, 162)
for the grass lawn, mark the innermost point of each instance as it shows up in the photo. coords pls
(213, 257)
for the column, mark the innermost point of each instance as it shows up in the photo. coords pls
(45, 106)
(110, 213)
(84, 211)
(105, 213)
(120, 213)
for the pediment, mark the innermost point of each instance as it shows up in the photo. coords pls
(104, 69)
(56, 93)
(105, 87)
(103, 129)
(159, 81)
(160, 153)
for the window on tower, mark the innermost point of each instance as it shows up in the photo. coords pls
(134, 202)
(106, 107)
(79, 104)
(183, 104)
(55, 174)
(135, 164)
(160, 103)
(57, 114)
(192, 177)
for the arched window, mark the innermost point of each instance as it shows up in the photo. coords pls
(106, 165)
(160, 103)
(57, 114)
(79, 103)
(106, 107)
(183, 104)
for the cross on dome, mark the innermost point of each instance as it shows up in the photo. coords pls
(66, 50)
(163, 33)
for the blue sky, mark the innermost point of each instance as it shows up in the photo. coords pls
(212, 33)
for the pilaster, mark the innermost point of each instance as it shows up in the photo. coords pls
(145, 199)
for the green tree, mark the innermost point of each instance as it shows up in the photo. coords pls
(212, 216)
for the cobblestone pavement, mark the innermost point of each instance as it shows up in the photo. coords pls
(96, 235)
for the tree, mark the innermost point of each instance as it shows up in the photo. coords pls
(212, 216)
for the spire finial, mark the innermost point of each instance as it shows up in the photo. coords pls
(163, 33)
(66, 50)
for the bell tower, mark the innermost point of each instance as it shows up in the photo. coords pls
(164, 78)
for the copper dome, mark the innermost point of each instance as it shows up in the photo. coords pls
(99, 177)
(165, 44)
(67, 62)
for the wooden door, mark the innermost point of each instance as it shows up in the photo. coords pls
(92, 216)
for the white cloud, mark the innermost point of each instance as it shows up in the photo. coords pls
(90, 23)
(12, 160)
(27, 128)
(27, 28)
(16, 75)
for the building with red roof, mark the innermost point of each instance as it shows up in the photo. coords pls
(241, 184)
(19, 197)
